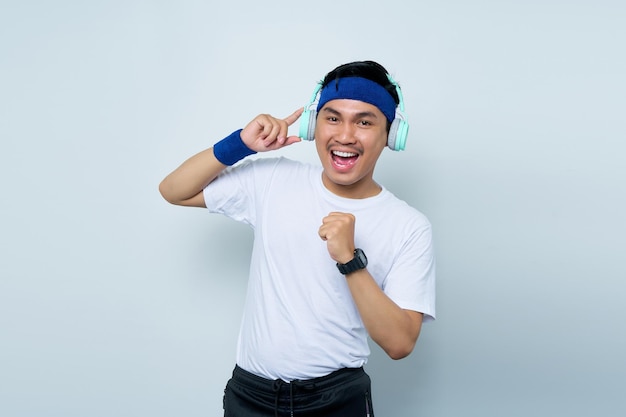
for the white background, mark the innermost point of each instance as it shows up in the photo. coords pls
(114, 303)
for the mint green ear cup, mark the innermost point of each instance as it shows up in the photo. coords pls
(399, 130)
(307, 120)
(398, 133)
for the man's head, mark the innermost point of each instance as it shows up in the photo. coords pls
(357, 105)
(365, 81)
(362, 81)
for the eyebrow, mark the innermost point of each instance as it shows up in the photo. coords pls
(357, 115)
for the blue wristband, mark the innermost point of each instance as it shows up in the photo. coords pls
(231, 149)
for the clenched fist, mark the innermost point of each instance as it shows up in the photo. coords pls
(337, 230)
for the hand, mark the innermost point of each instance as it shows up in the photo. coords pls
(267, 133)
(337, 230)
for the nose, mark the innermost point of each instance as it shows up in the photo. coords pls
(346, 133)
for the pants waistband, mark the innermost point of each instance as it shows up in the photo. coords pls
(263, 384)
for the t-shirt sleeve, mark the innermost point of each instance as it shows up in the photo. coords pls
(235, 193)
(411, 280)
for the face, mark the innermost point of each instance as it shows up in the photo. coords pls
(349, 137)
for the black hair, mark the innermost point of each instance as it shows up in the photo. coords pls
(366, 69)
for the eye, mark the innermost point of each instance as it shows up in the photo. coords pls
(332, 119)
(365, 123)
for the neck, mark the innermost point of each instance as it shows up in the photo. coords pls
(362, 189)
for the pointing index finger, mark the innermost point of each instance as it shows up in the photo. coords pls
(294, 116)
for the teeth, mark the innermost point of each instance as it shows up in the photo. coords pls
(344, 154)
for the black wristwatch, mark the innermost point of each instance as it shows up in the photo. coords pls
(358, 262)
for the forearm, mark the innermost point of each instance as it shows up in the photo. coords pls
(394, 329)
(264, 133)
(189, 179)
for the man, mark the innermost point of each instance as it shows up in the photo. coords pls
(336, 257)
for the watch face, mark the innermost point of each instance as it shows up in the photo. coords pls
(360, 255)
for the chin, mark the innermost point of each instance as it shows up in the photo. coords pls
(341, 179)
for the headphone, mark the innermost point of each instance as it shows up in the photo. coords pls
(398, 131)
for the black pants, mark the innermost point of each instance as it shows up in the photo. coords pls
(344, 393)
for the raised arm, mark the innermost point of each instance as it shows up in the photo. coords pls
(264, 133)
(184, 185)
(394, 329)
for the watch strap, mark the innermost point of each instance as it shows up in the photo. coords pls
(358, 262)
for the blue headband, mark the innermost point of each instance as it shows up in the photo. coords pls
(362, 89)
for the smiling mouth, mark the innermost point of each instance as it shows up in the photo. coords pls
(344, 160)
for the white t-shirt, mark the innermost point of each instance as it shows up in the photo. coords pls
(299, 319)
